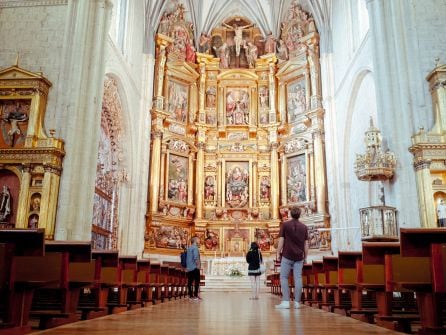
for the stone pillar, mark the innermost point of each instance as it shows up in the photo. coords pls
(81, 78)
(274, 185)
(155, 169)
(199, 180)
(395, 64)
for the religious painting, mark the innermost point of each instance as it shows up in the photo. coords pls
(237, 241)
(14, 115)
(314, 238)
(237, 106)
(209, 188)
(178, 101)
(237, 184)
(265, 189)
(170, 237)
(177, 178)
(264, 240)
(211, 241)
(296, 179)
(296, 99)
(211, 96)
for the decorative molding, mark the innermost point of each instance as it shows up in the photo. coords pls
(31, 3)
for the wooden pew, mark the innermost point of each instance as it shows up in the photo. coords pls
(429, 244)
(128, 275)
(143, 281)
(348, 295)
(155, 282)
(56, 303)
(330, 286)
(319, 281)
(381, 263)
(15, 292)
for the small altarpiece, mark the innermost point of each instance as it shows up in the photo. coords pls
(237, 137)
(30, 159)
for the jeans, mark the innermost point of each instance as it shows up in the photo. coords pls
(285, 267)
(193, 277)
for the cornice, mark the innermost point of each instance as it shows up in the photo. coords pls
(31, 3)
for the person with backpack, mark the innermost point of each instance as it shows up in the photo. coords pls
(254, 259)
(193, 265)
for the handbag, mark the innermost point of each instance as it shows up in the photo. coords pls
(262, 265)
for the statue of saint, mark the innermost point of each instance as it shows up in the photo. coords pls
(238, 38)
(5, 204)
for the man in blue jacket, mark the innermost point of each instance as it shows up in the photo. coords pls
(193, 268)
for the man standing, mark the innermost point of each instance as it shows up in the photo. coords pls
(193, 268)
(293, 252)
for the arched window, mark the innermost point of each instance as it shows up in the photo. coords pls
(118, 30)
(363, 19)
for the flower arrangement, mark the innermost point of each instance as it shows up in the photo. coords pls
(234, 272)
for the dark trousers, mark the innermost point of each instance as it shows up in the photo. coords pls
(193, 277)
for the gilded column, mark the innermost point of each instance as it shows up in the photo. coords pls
(155, 168)
(319, 169)
(162, 42)
(222, 109)
(219, 183)
(274, 181)
(161, 195)
(190, 183)
(23, 205)
(283, 183)
(199, 180)
(47, 213)
(202, 92)
(281, 103)
(272, 92)
(424, 185)
(255, 182)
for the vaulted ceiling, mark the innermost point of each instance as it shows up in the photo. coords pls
(266, 14)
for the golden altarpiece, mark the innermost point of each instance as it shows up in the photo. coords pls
(237, 136)
(30, 160)
(429, 150)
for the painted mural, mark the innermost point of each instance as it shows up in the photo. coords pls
(296, 99)
(177, 184)
(296, 179)
(178, 101)
(237, 184)
(212, 240)
(237, 106)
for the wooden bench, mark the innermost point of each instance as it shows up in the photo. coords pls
(16, 292)
(382, 263)
(429, 244)
(330, 285)
(56, 303)
(129, 293)
(349, 295)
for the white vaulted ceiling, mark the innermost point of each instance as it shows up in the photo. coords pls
(266, 14)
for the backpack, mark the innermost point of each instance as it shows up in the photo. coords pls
(183, 257)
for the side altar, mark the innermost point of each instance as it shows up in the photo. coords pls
(237, 136)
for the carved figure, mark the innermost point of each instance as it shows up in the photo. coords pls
(223, 54)
(209, 188)
(5, 204)
(265, 186)
(282, 51)
(270, 43)
(13, 118)
(237, 192)
(203, 44)
(190, 53)
(251, 54)
(211, 94)
(238, 38)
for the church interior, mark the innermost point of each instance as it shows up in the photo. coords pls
(129, 127)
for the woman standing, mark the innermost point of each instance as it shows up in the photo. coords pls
(254, 259)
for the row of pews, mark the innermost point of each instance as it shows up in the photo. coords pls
(54, 282)
(397, 285)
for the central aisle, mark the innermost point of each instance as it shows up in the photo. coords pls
(220, 313)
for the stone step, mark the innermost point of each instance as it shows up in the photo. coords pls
(231, 284)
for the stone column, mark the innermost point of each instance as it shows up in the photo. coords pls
(395, 64)
(155, 169)
(81, 78)
(274, 179)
